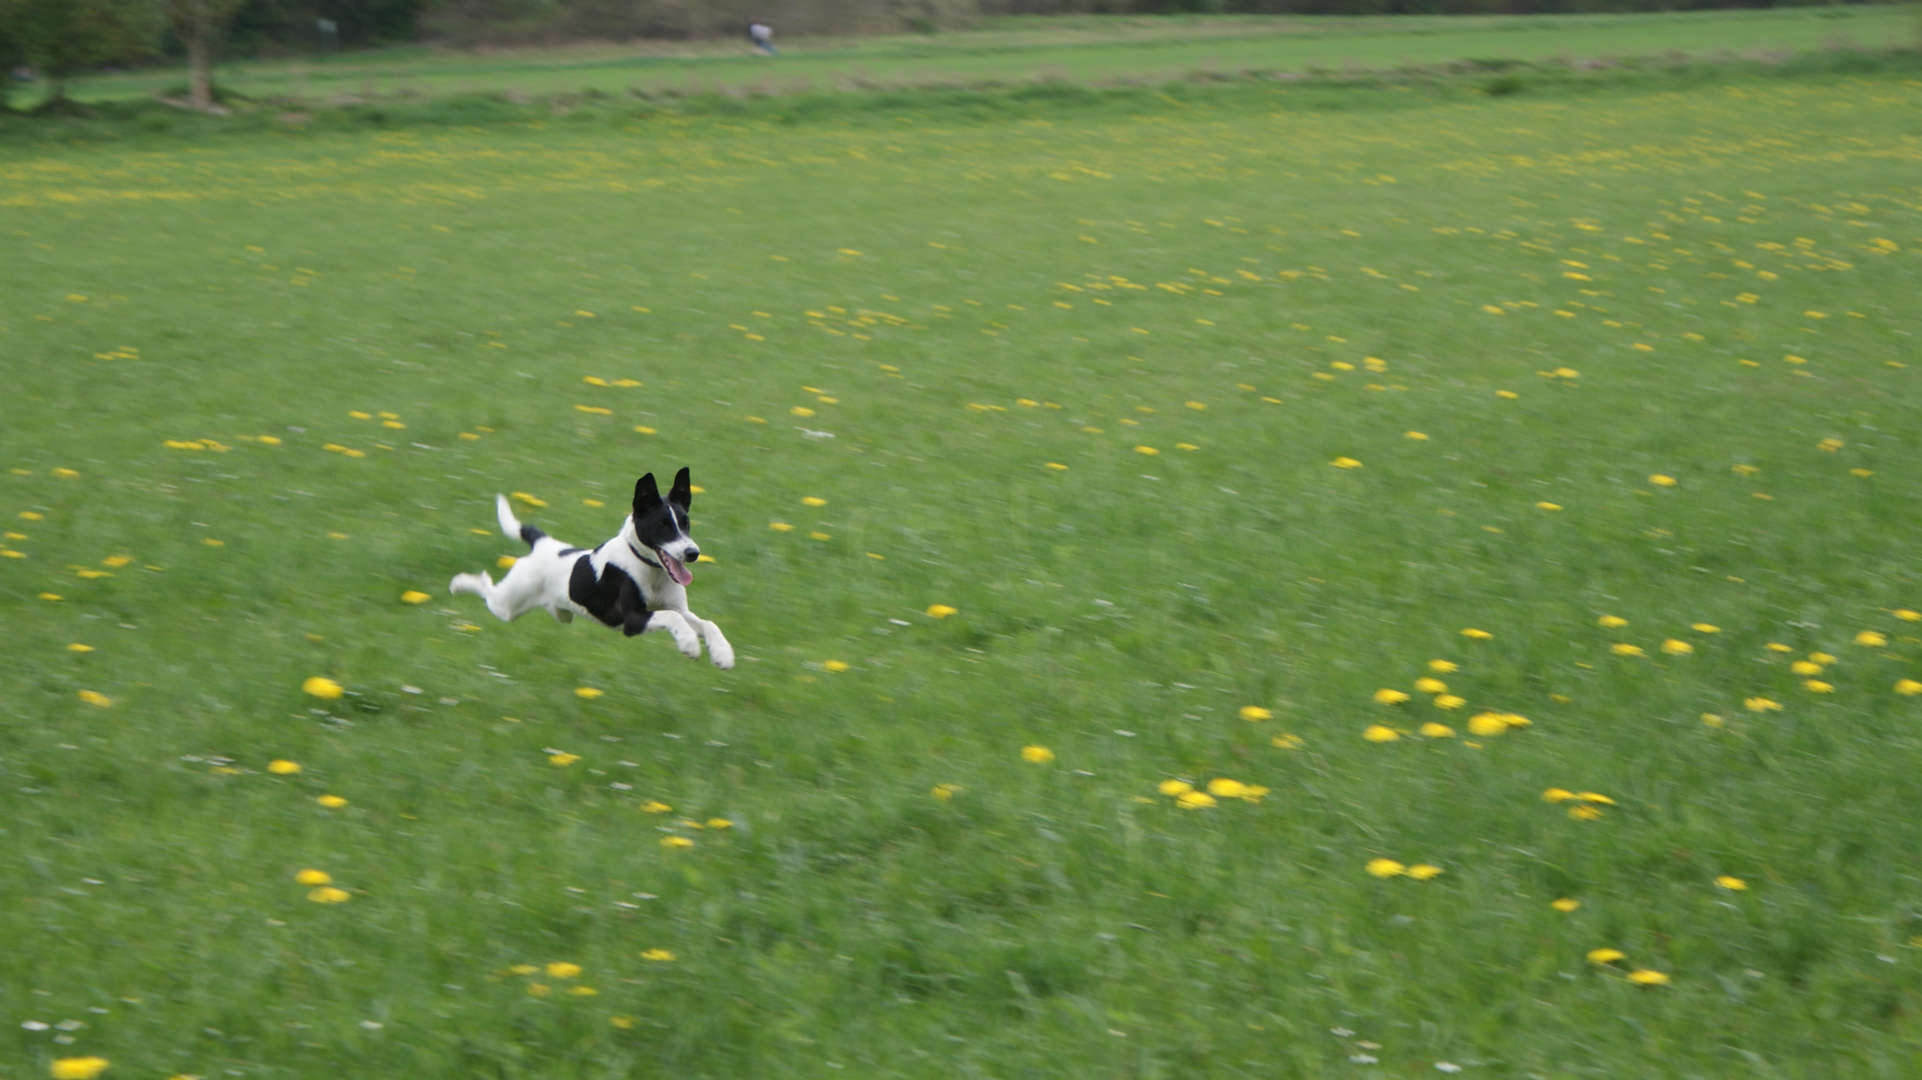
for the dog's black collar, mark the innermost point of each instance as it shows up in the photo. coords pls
(645, 559)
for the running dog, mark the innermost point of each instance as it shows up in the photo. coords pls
(617, 582)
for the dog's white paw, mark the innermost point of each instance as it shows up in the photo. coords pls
(466, 583)
(719, 651)
(687, 641)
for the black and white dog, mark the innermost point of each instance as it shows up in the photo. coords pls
(617, 582)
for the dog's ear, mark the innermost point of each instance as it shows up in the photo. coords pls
(682, 493)
(646, 495)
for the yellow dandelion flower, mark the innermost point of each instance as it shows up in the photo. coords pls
(1509, 395)
(1254, 713)
(1431, 686)
(1557, 795)
(658, 956)
(1612, 622)
(561, 969)
(1223, 788)
(539, 989)
(95, 698)
(1761, 704)
(1645, 977)
(1660, 480)
(1149, 450)
(1733, 884)
(1606, 956)
(835, 666)
(582, 991)
(1057, 466)
(1473, 634)
(328, 894)
(1705, 628)
(313, 877)
(780, 526)
(78, 1068)
(506, 562)
(587, 693)
(655, 806)
(1037, 755)
(1385, 868)
(1674, 647)
(1432, 730)
(1819, 687)
(1713, 719)
(1547, 506)
(819, 536)
(1296, 742)
(1623, 648)
(331, 802)
(1194, 800)
(283, 767)
(1584, 812)
(944, 792)
(1443, 667)
(1449, 701)
(1822, 658)
(1906, 615)
(1873, 639)
(1385, 696)
(1565, 904)
(719, 823)
(1345, 463)
(562, 761)
(414, 596)
(1424, 871)
(1806, 667)
(942, 611)
(1776, 646)
(1415, 435)
(1593, 797)
(1517, 720)
(323, 688)
(811, 500)
(676, 842)
(1380, 733)
(1908, 687)
(622, 1022)
(1487, 725)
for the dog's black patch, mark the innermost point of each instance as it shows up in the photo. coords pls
(614, 598)
(529, 534)
(566, 551)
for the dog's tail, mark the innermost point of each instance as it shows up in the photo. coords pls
(512, 526)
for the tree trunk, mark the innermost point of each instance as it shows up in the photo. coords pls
(200, 73)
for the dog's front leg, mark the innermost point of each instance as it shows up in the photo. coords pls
(671, 621)
(718, 649)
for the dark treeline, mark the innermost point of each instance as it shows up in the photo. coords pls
(136, 31)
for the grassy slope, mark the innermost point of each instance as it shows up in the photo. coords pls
(1063, 920)
(1090, 50)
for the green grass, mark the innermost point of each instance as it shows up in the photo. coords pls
(1082, 50)
(979, 300)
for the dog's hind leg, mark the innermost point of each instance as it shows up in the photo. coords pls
(483, 586)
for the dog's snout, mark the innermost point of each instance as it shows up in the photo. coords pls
(692, 555)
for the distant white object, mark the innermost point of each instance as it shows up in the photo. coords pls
(761, 35)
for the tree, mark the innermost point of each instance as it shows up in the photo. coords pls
(199, 25)
(64, 37)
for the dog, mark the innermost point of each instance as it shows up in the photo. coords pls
(616, 583)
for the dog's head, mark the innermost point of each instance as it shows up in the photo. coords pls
(660, 525)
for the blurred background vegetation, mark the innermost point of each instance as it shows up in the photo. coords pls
(63, 37)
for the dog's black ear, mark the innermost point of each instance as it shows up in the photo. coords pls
(646, 495)
(682, 493)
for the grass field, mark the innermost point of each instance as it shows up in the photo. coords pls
(1218, 423)
(1079, 50)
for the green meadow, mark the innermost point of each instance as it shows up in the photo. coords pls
(1223, 588)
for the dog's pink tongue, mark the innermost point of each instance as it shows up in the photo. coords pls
(675, 569)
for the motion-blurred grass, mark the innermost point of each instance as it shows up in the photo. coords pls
(1566, 299)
